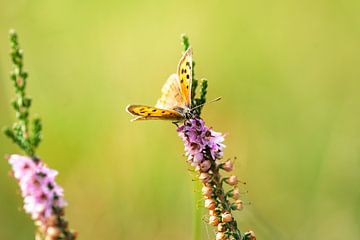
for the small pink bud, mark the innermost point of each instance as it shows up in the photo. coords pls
(206, 191)
(212, 213)
(232, 180)
(210, 204)
(205, 166)
(220, 236)
(217, 163)
(236, 193)
(53, 232)
(198, 157)
(213, 220)
(204, 177)
(228, 166)
(226, 217)
(38, 223)
(52, 220)
(239, 205)
(250, 235)
(19, 81)
(221, 227)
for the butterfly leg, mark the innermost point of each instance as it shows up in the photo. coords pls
(176, 124)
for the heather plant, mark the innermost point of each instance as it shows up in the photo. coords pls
(204, 151)
(43, 198)
(181, 103)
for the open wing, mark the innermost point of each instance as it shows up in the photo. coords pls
(153, 113)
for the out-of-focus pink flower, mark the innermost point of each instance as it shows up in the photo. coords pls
(38, 188)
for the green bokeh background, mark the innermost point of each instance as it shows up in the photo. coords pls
(288, 72)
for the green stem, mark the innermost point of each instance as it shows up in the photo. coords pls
(25, 136)
(198, 212)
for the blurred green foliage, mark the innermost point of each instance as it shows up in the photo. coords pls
(288, 72)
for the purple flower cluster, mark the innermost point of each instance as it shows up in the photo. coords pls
(38, 188)
(201, 142)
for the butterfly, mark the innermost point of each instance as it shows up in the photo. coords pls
(175, 101)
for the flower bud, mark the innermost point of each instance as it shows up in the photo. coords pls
(20, 81)
(210, 204)
(212, 213)
(53, 232)
(232, 180)
(206, 191)
(217, 163)
(237, 205)
(228, 166)
(204, 177)
(213, 220)
(236, 193)
(221, 227)
(220, 236)
(52, 220)
(205, 166)
(226, 217)
(198, 157)
(250, 235)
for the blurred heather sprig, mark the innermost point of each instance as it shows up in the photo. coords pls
(27, 139)
(204, 151)
(43, 197)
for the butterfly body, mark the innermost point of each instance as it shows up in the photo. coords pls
(175, 101)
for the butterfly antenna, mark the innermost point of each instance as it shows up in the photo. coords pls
(214, 100)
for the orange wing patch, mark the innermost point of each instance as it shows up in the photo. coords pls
(152, 113)
(185, 76)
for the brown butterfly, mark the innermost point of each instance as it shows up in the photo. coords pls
(175, 101)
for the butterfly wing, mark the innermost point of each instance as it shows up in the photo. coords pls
(176, 94)
(153, 113)
(185, 76)
(171, 95)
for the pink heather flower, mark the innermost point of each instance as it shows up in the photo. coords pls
(201, 143)
(204, 150)
(38, 187)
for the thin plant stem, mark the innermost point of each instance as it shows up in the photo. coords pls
(198, 212)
